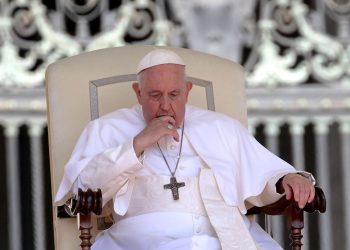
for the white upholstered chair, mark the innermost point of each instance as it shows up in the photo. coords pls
(83, 87)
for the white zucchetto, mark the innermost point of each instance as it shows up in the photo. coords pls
(157, 57)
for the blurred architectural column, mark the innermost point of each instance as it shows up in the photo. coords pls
(323, 180)
(297, 129)
(39, 222)
(345, 141)
(13, 185)
(272, 130)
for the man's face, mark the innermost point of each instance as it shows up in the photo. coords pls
(163, 91)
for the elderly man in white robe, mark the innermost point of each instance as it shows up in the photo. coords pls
(178, 176)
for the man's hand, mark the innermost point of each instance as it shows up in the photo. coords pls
(298, 187)
(156, 129)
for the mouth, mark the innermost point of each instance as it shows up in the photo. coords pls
(162, 115)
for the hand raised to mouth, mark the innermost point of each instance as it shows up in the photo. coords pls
(156, 129)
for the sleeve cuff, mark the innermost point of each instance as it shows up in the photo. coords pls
(142, 155)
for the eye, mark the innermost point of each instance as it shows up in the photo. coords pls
(174, 94)
(155, 96)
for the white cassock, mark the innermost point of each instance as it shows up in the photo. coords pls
(224, 168)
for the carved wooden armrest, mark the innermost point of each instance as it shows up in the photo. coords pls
(88, 202)
(294, 214)
(83, 205)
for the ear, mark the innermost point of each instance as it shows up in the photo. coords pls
(188, 88)
(137, 90)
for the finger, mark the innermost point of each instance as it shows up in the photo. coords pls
(171, 130)
(296, 193)
(168, 119)
(303, 194)
(170, 125)
(172, 121)
(176, 135)
(152, 133)
(162, 121)
(288, 192)
(312, 195)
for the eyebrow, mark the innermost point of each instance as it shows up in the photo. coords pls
(154, 92)
(176, 90)
(158, 91)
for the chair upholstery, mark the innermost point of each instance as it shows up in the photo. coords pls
(70, 81)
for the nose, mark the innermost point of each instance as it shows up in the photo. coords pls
(165, 103)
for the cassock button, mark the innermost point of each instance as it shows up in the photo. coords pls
(198, 230)
(172, 147)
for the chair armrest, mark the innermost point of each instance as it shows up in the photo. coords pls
(83, 205)
(280, 206)
(295, 215)
(85, 202)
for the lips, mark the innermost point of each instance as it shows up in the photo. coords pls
(161, 115)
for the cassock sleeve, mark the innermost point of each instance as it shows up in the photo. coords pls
(268, 196)
(99, 160)
(111, 171)
(245, 171)
(259, 169)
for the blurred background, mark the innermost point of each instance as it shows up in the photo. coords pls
(296, 55)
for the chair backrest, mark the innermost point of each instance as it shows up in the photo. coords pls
(82, 87)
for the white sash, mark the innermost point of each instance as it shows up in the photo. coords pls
(226, 220)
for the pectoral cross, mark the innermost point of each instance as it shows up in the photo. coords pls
(174, 186)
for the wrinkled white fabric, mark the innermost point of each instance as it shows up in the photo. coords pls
(227, 221)
(104, 158)
(149, 196)
(236, 158)
(159, 231)
(181, 224)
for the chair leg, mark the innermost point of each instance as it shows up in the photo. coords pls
(85, 234)
(296, 236)
(296, 224)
